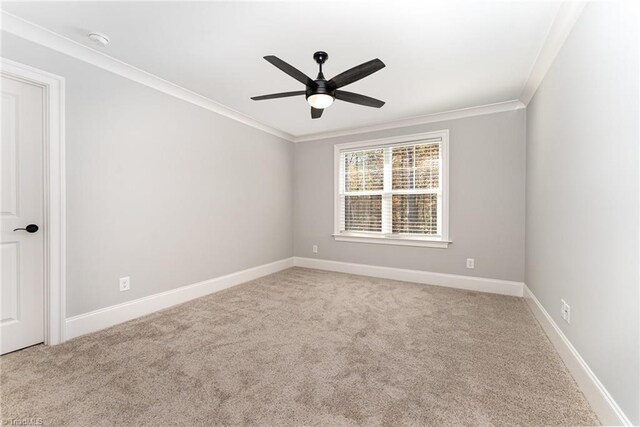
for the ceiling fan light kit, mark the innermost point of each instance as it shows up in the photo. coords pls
(320, 93)
(320, 100)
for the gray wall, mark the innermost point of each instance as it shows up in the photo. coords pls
(159, 189)
(582, 196)
(486, 202)
(156, 191)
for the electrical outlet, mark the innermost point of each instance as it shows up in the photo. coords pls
(315, 249)
(125, 284)
(471, 263)
(565, 311)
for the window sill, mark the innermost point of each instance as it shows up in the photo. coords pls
(398, 241)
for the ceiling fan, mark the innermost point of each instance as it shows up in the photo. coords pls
(320, 93)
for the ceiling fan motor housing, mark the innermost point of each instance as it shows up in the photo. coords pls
(322, 88)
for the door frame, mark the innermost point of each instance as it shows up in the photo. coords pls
(54, 187)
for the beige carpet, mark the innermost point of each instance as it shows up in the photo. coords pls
(305, 347)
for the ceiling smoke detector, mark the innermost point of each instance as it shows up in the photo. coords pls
(99, 39)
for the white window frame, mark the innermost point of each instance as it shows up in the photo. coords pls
(441, 241)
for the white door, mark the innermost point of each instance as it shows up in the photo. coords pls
(21, 182)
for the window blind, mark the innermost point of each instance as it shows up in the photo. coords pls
(392, 190)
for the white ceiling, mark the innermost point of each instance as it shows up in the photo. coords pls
(439, 55)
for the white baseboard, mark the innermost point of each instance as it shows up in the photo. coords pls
(479, 284)
(601, 401)
(115, 314)
(596, 394)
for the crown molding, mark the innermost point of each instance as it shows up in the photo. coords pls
(565, 19)
(47, 38)
(462, 113)
(37, 34)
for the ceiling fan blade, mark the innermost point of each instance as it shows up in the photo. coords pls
(316, 113)
(356, 98)
(292, 71)
(278, 95)
(356, 73)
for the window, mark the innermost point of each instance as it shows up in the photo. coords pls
(393, 191)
